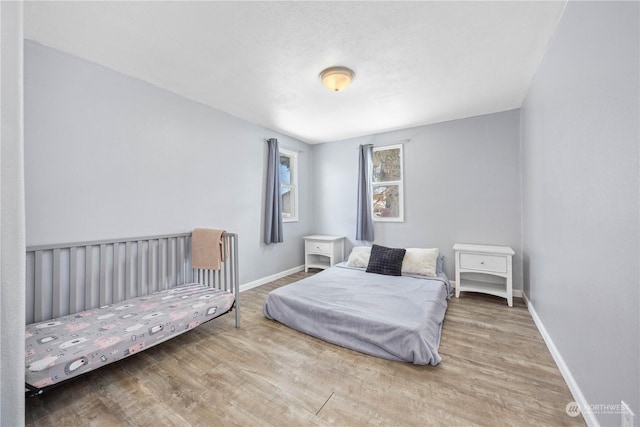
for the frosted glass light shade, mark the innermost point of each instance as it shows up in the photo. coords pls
(336, 78)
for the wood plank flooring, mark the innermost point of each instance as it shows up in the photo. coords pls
(495, 370)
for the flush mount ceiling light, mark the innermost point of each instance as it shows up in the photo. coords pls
(336, 78)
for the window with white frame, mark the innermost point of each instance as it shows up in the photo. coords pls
(289, 184)
(387, 183)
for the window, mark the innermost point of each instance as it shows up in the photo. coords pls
(289, 185)
(387, 184)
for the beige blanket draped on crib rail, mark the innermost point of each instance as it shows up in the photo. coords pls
(207, 249)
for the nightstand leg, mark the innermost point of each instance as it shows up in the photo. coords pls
(457, 275)
(509, 282)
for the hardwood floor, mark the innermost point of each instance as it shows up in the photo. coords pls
(495, 370)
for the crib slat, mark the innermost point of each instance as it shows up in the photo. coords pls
(159, 265)
(163, 264)
(128, 268)
(30, 286)
(118, 291)
(189, 271)
(74, 286)
(179, 265)
(151, 267)
(176, 261)
(140, 268)
(38, 297)
(56, 296)
(102, 277)
(172, 263)
(157, 261)
(89, 278)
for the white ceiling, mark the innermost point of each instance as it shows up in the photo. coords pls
(415, 62)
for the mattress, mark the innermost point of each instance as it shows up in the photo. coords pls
(62, 348)
(393, 317)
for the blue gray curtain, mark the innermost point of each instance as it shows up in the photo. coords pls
(364, 230)
(273, 202)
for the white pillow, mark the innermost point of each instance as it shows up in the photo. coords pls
(359, 257)
(420, 261)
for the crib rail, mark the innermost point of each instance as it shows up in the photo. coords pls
(69, 278)
(227, 277)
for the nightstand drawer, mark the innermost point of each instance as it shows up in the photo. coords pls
(318, 247)
(483, 262)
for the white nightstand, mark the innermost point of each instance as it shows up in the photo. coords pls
(322, 251)
(474, 262)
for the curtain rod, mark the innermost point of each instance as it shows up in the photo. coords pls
(295, 150)
(396, 142)
(388, 144)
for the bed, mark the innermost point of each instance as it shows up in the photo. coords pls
(393, 317)
(93, 303)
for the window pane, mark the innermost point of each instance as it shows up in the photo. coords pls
(288, 204)
(386, 165)
(386, 201)
(285, 170)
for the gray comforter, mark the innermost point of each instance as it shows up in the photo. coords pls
(397, 318)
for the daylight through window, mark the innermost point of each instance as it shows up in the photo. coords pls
(289, 184)
(387, 180)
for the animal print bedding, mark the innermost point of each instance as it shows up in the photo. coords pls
(62, 348)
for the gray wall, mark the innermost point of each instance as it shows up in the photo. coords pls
(12, 254)
(109, 156)
(580, 134)
(462, 184)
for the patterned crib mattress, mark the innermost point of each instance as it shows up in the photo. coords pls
(60, 349)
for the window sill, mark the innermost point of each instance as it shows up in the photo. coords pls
(388, 219)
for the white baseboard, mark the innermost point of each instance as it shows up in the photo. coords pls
(271, 278)
(516, 292)
(578, 397)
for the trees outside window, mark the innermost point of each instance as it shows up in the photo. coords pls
(387, 183)
(289, 185)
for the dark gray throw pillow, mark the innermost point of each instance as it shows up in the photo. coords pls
(385, 260)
